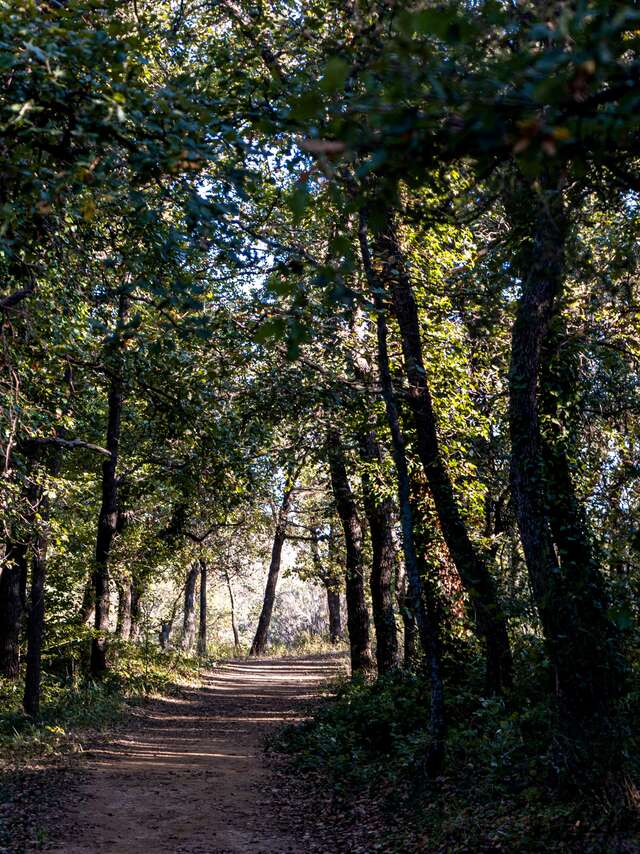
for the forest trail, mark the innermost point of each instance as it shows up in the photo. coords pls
(188, 776)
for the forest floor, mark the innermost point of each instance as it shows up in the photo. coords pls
(187, 774)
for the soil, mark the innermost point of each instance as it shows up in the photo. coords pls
(188, 774)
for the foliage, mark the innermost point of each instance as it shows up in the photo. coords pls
(196, 302)
(74, 708)
(368, 741)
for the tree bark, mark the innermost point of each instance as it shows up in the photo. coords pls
(333, 607)
(378, 511)
(137, 589)
(189, 616)
(475, 576)
(357, 613)
(202, 625)
(36, 602)
(11, 608)
(108, 516)
(417, 619)
(35, 625)
(259, 645)
(88, 601)
(232, 604)
(567, 585)
(331, 585)
(123, 626)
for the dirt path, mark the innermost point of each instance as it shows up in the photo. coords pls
(189, 776)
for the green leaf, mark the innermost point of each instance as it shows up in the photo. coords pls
(335, 75)
(273, 328)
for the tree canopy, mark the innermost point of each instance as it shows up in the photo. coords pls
(345, 292)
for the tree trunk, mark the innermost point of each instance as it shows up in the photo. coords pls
(333, 607)
(417, 619)
(11, 609)
(478, 582)
(35, 626)
(357, 614)
(411, 642)
(378, 512)
(164, 635)
(331, 585)
(88, 601)
(232, 604)
(123, 626)
(136, 595)
(259, 644)
(189, 617)
(36, 604)
(108, 516)
(567, 586)
(202, 625)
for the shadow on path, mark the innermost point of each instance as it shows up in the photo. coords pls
(189, 776)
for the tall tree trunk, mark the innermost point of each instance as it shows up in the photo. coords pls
(38, 498)
(478, 582)
(567, 586)
(202, 625)
(416, 616)
(331, 585)
(123, 626)
(11, 609)
(259, 644)
(189, 616)
(333, 607)
(108, 516)
(378, 512)
(35, 625)
(137, 589)
(357, 613)
(232, 605)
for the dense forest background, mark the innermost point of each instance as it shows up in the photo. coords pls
(345, 292)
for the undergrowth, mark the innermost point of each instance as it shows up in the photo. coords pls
(498, 791)
(306, 644)
(72, 704)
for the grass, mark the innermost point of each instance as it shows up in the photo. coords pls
(72, 706)
(306, 644)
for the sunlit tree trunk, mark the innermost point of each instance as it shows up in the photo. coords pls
(189, 616)
(123, 626)
(259, 645)
(418, 620)
(478, 582)
(202, 625)
(232, 607)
